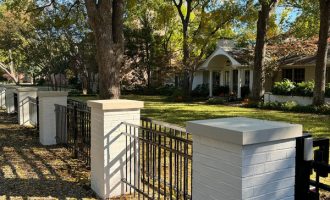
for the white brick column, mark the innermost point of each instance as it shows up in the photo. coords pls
(23, 95)
(2, 97)
(108, 145)
(47, 119)
(239, 83)
(10, 90)
(243, 159)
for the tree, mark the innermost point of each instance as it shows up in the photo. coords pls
(201, 23)
(106, 20)
(322, 53)
(267, 6)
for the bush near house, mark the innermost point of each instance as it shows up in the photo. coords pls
(305, 89)
(292, 106)
(202, 90)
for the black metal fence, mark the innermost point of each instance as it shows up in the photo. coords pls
(34, 111)
(158, 160)
(309, 174)
(73, 128)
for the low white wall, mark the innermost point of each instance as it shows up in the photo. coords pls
(304, 101)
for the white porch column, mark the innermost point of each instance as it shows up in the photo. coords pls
(211, 84)
(251, 80)
(23, 95)
(47, 118)
(222, 78)
(2, 97)
(10, 90)
(108, 144)
(230, 80)
(239, 83)
(242, 158)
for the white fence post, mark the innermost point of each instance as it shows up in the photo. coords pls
(10, 90)
(47, 118)
(108, 145)
(2, 97)
(23, 95)
(242, 158)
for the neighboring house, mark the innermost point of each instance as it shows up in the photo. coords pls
(300, 68)
(225, 67)
(233, 67)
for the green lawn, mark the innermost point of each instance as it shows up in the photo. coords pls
(178, 113)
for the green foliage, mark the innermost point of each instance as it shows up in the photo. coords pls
(304, 89)
(245, 91)
(201, 90)
(292, 106)
(327, 90)
(285, 87)
(179, 95)
(216, 101)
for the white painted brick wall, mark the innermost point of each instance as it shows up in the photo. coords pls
(227, 171)
(108, 148)
(47, 119)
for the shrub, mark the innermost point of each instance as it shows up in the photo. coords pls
(215, 101)
(245, 91)
(201, 90)
(285, 87)
(293, 107)
(221, 90)
(179, 96)
(327, 90)
(166, 90)
(304, 89)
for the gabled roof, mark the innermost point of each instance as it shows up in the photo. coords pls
(220, 52)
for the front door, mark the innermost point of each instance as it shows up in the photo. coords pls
(235, 80)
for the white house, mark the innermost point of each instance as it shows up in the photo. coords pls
(222, 68)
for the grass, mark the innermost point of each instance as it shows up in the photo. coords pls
(158, 107)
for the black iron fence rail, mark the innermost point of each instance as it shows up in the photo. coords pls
(73, 128)
(34, 111)
(308, 173)
(159, 155)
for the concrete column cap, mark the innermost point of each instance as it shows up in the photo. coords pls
(52, 93)
(244, 131)
(116, 104)
(27, 89)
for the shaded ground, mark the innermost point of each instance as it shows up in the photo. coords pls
(29, 170)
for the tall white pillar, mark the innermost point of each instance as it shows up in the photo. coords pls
(242, 158)
(10, 90)
(47, 118)
(23, 95)
(2, 97)
(239, 83)
(222, 78)
(251, 79)
(211, 84)
(108, 144)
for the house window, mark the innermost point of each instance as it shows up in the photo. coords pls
(295, 75)
(226, 78)
(216, 78)
(247, 77)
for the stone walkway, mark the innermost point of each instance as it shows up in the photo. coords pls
(29, 170)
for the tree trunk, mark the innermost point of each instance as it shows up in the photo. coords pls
(322, 53)
(258, 88)
(106, 20)
(185, 58)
